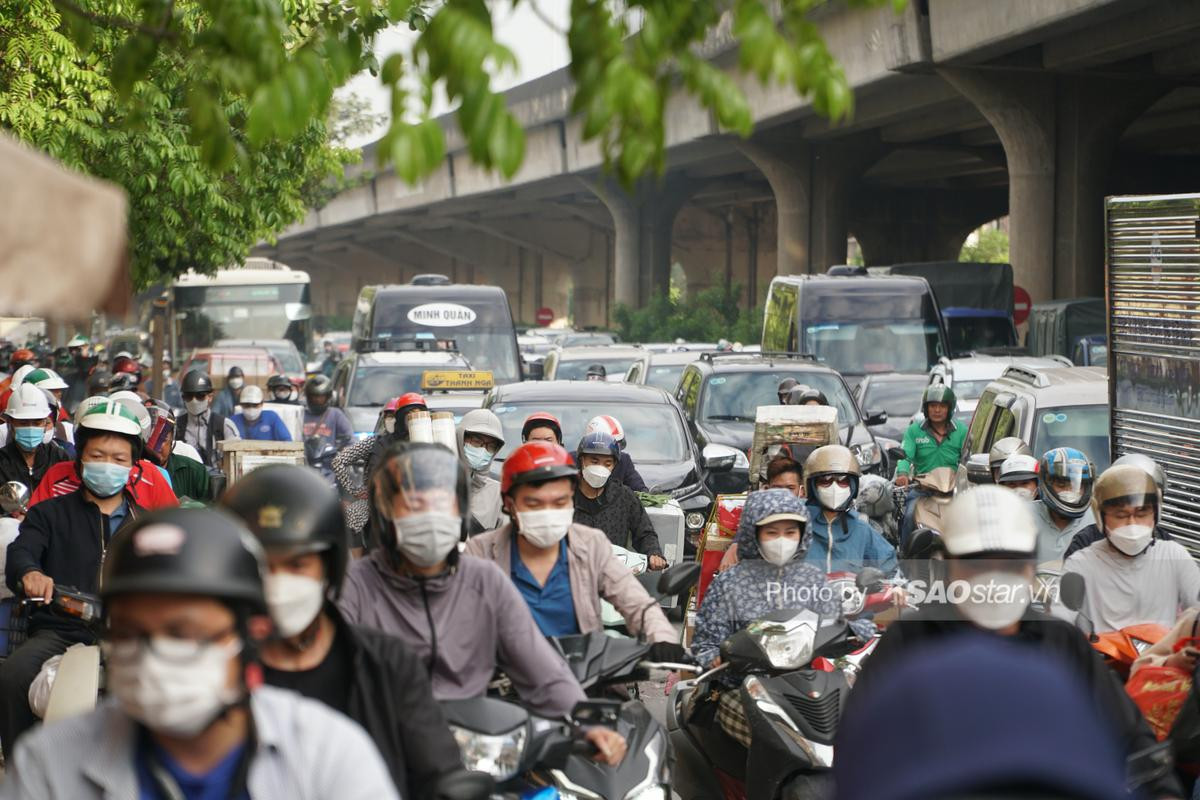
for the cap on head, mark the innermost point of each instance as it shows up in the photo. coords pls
(599, 443)
(45, 378)
(251, 395)
(989, 520)
(1146, 464)
(482, 421)
(1003, 448)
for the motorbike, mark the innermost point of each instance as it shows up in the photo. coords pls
(877, 502)
(639, 565)
(799, 670)
(931, 494)
(318, 454)
(72, 684)
(1119, 648)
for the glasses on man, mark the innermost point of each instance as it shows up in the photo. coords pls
(826, 481)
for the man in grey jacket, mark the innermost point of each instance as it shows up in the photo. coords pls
(184, 595)
(460, 614)
(561, 568)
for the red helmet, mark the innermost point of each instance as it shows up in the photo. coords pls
(22, 356)
(126, 364)
(406, 400)
(534, 462)
(541, 419)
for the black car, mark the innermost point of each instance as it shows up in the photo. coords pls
(720, 394)
(897, 393)
(657, 437)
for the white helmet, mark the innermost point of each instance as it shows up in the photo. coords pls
(45, 378)
(989, 519)
(251, 395)
(1018, 468)
(19, 376)
(133, 402)
(111, 416)
(27, 402)
(606, 424)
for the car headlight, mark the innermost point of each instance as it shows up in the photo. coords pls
(694, 520)
(498, 756)
(787, 645)
(867, 453)
(741, 461)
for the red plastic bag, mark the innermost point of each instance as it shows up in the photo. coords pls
(1160, 693)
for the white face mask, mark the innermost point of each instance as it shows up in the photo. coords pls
(389, 424)
(1024, 492)
(596, 476)
(1131, 539)
(833, 497)
(997, 599)
(294, 600)
(427, 537)
(1070, 496)
(779, 550)
(180, 693)
(236, 383)
(251, 413)
(197, 407)
(545, 528)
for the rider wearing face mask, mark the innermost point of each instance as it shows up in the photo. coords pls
(480, 437)
(460, 614)
(201, 427)
(188, 716)
(625, 472)
(281, 390)
(255, 422)
(62, 542)
(607, 504)
(369, 676)
(842, 539)
(562, 568)
(990, 544)
(27, 455)
(1131, 577)
(1146, 464)
(227, 400)
(773, 538)
(1019, 473)
(1065, 478)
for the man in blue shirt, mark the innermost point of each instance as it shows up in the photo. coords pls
(256, 423)
(550, 602)
(842, 540)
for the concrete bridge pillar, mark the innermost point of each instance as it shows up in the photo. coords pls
(788, 168)
(1059, 134)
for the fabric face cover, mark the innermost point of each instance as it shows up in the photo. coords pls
(251, 413)
(28, 438)
(997, 599)
(779, 550)
(833, 497)
(294, 601)
(197, 407)
(596, 476)
(427, 537)
(545, 528)
(236, 383)
(1131, 539)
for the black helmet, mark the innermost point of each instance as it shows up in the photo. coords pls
(193, 551)
(278, 381)
(596, 370)
(802, 395)
(123, 382)
(98, 382)
(939, 393)
(784, 389)
(196, 382)
(294, 508)
(318, 385)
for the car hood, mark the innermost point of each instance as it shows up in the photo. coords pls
(732, 434)
(662, 478)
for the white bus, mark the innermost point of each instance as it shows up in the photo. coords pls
(262, 300)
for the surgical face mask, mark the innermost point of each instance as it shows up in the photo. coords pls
(282, 394)
(779, 550)
(997, 599)
(545, 528)
(1131, 539)
(294, 601)
(833, 497)
(236, 383)
(29, 438)
(172, 686)
(1070, 496)
(1024, 492)
(477, 457)
(596, 476)
(251, 413)
(197, 407)
(48, 436)
(389, 424)
(427, 537)
(104, 479)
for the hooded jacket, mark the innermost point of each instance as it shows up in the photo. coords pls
(462, 624)
(754, 587)
(855, 544)
(486, 513)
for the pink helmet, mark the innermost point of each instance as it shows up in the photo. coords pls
(606, 424)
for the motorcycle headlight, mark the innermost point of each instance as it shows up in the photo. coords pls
(498, 756)
(694, 520)
(787, 645)
(867, 453)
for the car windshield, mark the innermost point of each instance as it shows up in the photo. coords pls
(970, 390)
(977, 333)
(856, 348)
(577, 339)
(1082, 427)
(289, 359)
(374, 386)
(576, 370)
(736, 396)
(899, 398)
(654, 433)
(665, 377)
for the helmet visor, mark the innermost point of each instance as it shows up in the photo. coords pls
(1069, 481)
(417, 480)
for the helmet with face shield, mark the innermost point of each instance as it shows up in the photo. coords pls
(1002, 449)
(1065, 477)
(1147, 465)
(418, 497)
(1125, 485)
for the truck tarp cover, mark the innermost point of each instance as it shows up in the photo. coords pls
(1054, 327)
(963, 284)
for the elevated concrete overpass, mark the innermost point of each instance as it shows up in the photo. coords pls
(965, 111)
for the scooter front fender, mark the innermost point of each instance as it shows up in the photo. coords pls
(76, 685)
(777, 755)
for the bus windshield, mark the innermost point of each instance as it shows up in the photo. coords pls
(859, 348)
(205, 314)
(486, 339)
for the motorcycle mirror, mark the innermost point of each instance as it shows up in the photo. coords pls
(216, 485)
(870, 576)
(14, 497)
(597, 712)
(896, 453)
(464, 785)
(979, 468)
(1072, 588)
(677, 578)
(922, 544)
(878, 417)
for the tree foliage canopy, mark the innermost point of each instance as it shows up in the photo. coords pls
(704, 316)
(211, 113)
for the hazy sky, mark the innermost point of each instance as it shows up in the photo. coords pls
(538, 47)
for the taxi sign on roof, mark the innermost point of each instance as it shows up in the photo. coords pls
(435, 380)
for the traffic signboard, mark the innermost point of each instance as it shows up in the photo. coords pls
(544, 316)
(1022, 305)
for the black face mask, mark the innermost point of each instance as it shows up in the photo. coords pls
(317, 407)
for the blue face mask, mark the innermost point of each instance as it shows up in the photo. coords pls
(104, 479)
(28, 438)
(477, 457)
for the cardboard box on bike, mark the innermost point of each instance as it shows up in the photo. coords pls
(805, 428)
(239, 456)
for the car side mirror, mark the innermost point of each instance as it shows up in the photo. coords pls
(897, 453)
(870, 576)
(535, 371)
(464, 785)
(678, 578)
(879, 417)
(718, 458)
(1071, 589)
(979, 468)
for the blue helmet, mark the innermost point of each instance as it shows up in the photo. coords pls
(1066, 464)
(600, 443)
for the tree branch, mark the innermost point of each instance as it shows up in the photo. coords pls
(105, 21)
